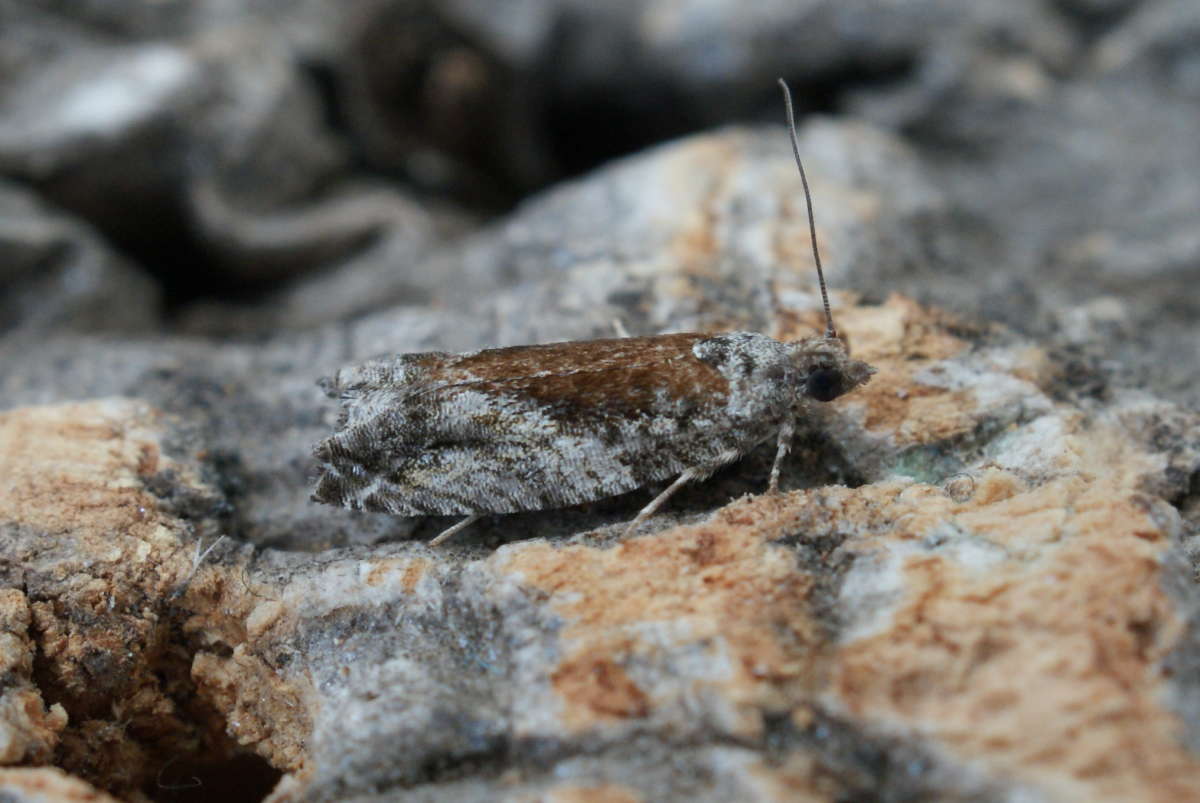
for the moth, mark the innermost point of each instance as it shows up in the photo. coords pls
(545, 426)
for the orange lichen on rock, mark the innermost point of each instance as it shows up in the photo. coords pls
(900, 338)
(388, 572)
(262, 710)
(597, 793)
(1005, 620)
(29, 731)
(77, 468)
(696, 239)
(716, 587)
(1030, 628)
(107, 564)
(603, 684)
(73, 485)
(1015, 620)
(47, 784)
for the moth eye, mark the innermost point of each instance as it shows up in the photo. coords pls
(823, 384)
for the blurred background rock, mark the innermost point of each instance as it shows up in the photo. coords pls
(220, 167)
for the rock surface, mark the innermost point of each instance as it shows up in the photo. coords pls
(988, 614)
(978, 583)
(48, 785)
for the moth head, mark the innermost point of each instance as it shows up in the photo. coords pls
(824, 370)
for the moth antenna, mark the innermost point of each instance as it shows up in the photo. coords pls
(830, 329)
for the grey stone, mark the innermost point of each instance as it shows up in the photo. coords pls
(57, 274)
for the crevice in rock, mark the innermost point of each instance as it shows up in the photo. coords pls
(820, 557)
(239, 778)
(136, 721)
(851, 763)
(863, 766)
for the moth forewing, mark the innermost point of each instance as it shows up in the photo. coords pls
(572, 422)
(545, 426)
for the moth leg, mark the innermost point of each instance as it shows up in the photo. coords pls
(786, 430)
(619, 327)
(451, 530)
(657, 502)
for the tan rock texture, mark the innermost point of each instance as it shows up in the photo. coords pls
(989, 614)
(47, 785)
(101, 542)
(29, 730)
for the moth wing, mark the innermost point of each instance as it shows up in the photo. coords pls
(524, 428)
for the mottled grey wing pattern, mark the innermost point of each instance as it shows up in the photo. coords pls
(523, 428)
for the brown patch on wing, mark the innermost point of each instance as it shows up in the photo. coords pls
(616, 375)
